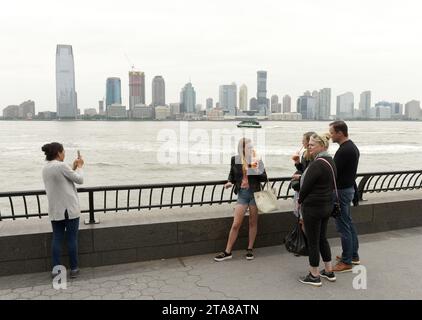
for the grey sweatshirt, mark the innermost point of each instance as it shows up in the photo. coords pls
(59, 180)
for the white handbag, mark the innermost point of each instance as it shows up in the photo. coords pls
(266, 200)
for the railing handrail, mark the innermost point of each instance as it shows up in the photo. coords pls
(132, 187)
(368, 182)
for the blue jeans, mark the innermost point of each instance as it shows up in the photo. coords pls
(71, 226)
(245, 196)
(345, 226)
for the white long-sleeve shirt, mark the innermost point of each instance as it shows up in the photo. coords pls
(59, 180)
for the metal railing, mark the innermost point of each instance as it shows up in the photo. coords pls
(27, 204)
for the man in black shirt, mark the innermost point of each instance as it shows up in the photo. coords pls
(346, 160)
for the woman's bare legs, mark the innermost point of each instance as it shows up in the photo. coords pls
(239, 213)
(253, 225)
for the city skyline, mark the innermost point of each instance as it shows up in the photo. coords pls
(357, 49)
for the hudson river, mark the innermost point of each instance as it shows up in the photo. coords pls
(158, 152)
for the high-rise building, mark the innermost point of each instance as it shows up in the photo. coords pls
(113, 92)
(209, 103)
(158, 91)
(413, 110)
(324, 104)
(253, 104)
(261, 92)
(66, 98)
(27, 110)
(396, 110)
(306, 106)
(345, 106)
(274, 104)
(136, 89)
(11, 112)
(243, 97)
(228, 98)
(187, 99)
(315, 95)
(287, 104)
(101, 107)
(365, 104)
(174, 109)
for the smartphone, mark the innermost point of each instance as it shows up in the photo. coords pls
(79, 154)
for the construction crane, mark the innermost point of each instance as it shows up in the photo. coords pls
(130, 62)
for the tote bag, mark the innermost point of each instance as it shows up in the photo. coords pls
(266, 200)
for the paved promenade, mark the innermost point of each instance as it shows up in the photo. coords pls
(392, 261)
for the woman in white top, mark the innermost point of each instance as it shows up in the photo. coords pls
(63, 202)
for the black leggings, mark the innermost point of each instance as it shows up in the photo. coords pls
(316, 221)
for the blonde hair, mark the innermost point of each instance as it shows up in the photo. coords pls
(241, 148)
(306, 154)
(322, 139)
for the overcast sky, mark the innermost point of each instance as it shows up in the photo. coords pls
(303, 44)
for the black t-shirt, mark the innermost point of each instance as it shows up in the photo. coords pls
(346, 160)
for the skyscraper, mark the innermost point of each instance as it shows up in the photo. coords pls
(306, 105)
(101, 107)
(324, 104)
(136, 89)
(27, 109)
(228, 98)
(158, 91)
(413, 110)
(365, 104)
(274, 104)
(113, 91)
(287, 104)
(209, 103)
(66, 99)
(345, 106)
(261, 93)
(243, 97)
(253, 104)
(187, 99)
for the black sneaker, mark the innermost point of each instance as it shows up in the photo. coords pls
(74, 273)
(223, 256)
(310, 279)
(330, 276)
(249, 254)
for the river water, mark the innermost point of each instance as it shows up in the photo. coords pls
(118, 153)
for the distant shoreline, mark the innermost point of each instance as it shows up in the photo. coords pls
(205, 120)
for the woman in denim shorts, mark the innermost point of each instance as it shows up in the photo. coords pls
(246, 175)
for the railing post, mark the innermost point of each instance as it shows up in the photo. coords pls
(91, 219)
(361, 186)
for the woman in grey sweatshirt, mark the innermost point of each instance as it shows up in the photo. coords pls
(63, 203)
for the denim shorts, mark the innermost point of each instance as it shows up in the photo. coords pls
(245, 196)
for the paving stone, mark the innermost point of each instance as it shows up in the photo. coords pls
(10, 296)
(128, 282)
(30, 294)
(41, 298)
(119, 289)
(100, 292)
(82, 294)
(191, 279)
(144, 298)
(22, 290)
(131, 294)
(156, 284)
(112, 296)
(109, 284)
(150, 291)
(138, 286)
